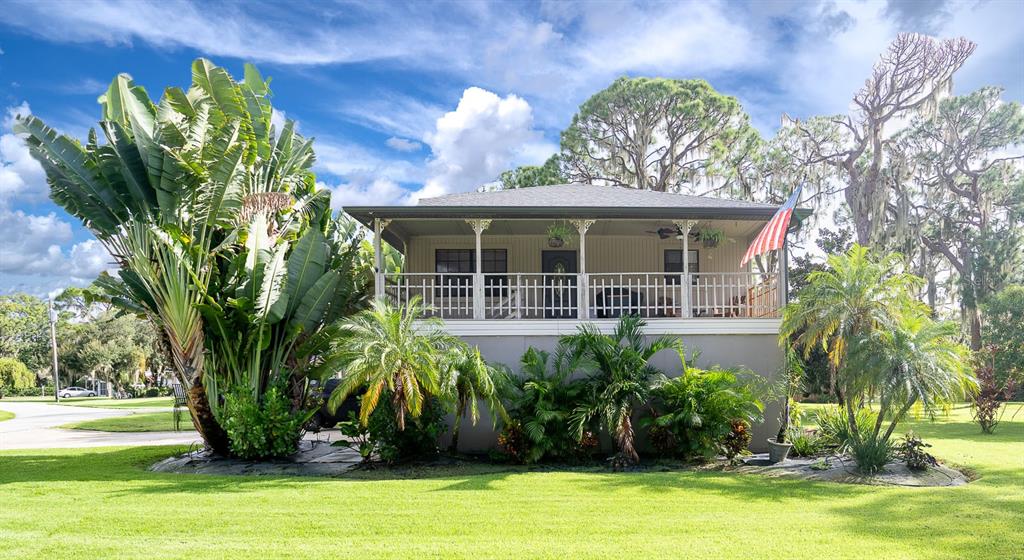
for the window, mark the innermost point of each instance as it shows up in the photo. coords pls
(463, 261)
(674, 263)
(495, 262)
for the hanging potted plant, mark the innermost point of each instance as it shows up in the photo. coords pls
(559, 235)
(710, 237)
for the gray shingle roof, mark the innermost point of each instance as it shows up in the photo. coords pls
(585, 196)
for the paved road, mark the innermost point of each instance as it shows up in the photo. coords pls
(35, 427)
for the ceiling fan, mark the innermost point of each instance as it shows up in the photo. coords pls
(667, 232)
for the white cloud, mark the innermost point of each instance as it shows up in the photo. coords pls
(365, 192)
(482, 137)
(399, 115)
(33, 258)
(402, 144)
(21, 177)
(278, 118)
(32, 243)
(88, 259)
(348, 160)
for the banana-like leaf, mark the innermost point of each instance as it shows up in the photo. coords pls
(306, 265)
(217, 83)
(221, 197)
(311, 310)
(272, 301)
(131, 167)
(73, 177)
(125, 101)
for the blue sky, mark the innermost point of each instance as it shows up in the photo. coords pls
(407, 99)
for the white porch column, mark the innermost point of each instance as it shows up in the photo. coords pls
(684, 227)
(378, 257)
(582, 280)
(478, 276)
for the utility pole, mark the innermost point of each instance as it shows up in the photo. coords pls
(53, 346)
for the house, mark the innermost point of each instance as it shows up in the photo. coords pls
(486, 265)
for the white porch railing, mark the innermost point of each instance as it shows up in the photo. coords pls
(597, 295)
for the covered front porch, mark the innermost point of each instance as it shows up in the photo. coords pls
(494, 269)
(492, 257)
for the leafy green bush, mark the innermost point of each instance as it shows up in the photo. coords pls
(870, 453)
(834, 430)
(262, 429)
(33, 391)
(419, 438)
(14, 375)
(699, 407)
(912, 451)
(151, 392)
(619, 380)
(806, 443)
(541, 401)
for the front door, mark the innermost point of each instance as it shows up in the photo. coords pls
(559, 268)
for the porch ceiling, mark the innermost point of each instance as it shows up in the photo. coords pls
(400, 230)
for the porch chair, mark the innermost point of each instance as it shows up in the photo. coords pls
(179, 404)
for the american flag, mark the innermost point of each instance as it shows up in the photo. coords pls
(773, 236)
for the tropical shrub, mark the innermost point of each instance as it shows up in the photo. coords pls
(862, 310)
(806, 443)
(261, 428)
(541, 401)
(992, 392)
(834, 428)
(469, 379)
(221, 236)
(870, 453)
(912, 451)
(738, 439)
(914, 361)
(417, 438)
(619, 381)
(697, 411)
(14, 376)
(151, 392)
(383, 353)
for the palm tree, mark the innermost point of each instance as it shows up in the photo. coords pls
(469, 378)
(222, 238)
(543, 402)
(382, 351)
(855, 294)
(915, 361)
(621, 380)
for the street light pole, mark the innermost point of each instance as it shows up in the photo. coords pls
(53, 346)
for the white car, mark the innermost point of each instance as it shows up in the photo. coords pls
(68, 392)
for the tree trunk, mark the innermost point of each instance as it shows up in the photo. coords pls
(897, 418)
(624, 439)
(203, 419)
(974, 320)
(459, 411)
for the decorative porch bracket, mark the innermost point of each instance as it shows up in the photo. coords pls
(478, 225)
(378, 257)
(684, 227)
(582, 281)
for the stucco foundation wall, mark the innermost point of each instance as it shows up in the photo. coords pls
(758, 352)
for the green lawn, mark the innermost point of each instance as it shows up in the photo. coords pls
(97, 402)
(102, 503)
(151, 422)
(4, 415)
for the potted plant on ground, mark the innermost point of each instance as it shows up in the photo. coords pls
(792, 372)
(559, 234)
